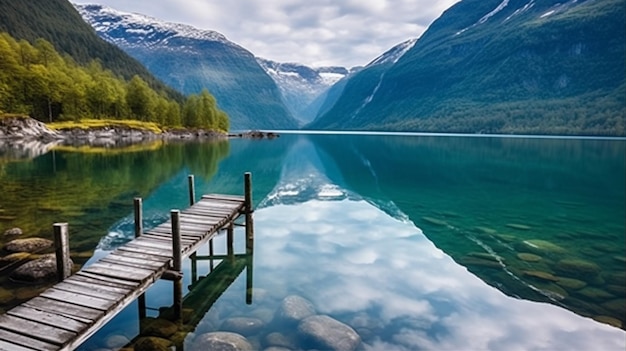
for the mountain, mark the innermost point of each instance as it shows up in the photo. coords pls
(300, 84)
(499, 66)
(191, 59)
(60, 24)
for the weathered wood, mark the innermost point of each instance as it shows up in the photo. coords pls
(62, 251)
(248, 212)
(177, 262)
(141, 256)
(192, 190)
(230, 234)
(12, 341)
(166, 253)
(49, 318)
(132, 262)
(138, 207)
(98, 285)
(39, 331)
(93, 291)
(79, 299)
(119, 272)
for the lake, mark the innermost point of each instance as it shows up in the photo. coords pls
(413, 241)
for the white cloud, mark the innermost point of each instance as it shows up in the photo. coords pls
(325, 32)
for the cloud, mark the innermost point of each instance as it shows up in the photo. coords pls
(321, 33)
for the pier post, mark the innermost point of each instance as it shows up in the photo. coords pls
(211, 253)
(249, 276)
(230, 233)
(62, 250)
(248, 211)
(192, 190)
(177, 264)
(138, 209)
(137, 204)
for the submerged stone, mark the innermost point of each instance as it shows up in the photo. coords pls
(40, 270)
(485, 256)
(541, 275)
(243, 325)
(571, 283)
(328, 333)
(475, 261)
(15, 257)
(518, 226)
(28, 245)
(277, 339)
(5, 295)
(152, 343)
(554, 291)
(577, 268)
(595, 293)
(541, 246)
(293, 309)
(221, 341)
(13, 232)
(528, 257)
(485, 230)
(609, 320)
(159, 327)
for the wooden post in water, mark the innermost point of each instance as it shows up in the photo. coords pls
(249, 276)
(192, 190)
(62, 250)
(248, 211)
(211, 253)
(177, 264)
(230, 234)
(138, 209)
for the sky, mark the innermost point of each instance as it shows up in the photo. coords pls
(317, 33)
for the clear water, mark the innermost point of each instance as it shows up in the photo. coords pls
(416, 242)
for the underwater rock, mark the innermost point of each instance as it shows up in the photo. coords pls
(328, 333)
(540, 246)
(571, 283)
(617, 306)
(606, 248)
(293, 309)
(518, 226)
(541, 275)
(595, 293)
(116, 341)
(40, 270)
(484, 230)
(152, 343)
(280, 340)
(552, 290)
(243, 325)
(159, 327)
(178, 339)
(14, 257)
(577, 268)
(28, 245)
(13, 232)
(5, 295)
(474, 261)
(277, 348)
(507, 238)
(435, 221)
(528, 257)
(621, 259)
(221, 341)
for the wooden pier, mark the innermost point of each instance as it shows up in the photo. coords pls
(68, 313)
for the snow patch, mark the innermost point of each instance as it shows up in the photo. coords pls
(526, 7)
(547, 14)
(500, 7)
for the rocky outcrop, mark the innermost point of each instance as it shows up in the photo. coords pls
(328, 333)
(23, 127)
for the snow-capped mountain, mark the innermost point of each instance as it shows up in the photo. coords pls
(190, 59)
(300, 84)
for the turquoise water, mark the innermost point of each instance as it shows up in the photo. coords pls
(415, 242)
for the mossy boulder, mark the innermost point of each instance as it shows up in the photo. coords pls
(28, 245)
(43, 269)
(5, 295)
(595, 294)
(541, 275)
(13, 232)
(152, 343)
(528, 257)
(571, 283)
(159, 327)
(221, 341)
(14, 257)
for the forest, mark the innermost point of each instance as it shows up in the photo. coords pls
(38, 81)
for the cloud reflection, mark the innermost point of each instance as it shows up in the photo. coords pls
(349, 257)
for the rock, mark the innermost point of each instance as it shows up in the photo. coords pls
(552, 290)
(159, 327)
(5, 296)
(152, 343)
(528, 257)
(243, 325)
(13, 232)
(486, 256)
(277, 348)
(621, 259)
(474, 261)
(577, 268)
(116, 341)
(540, 247)
(327, 333)
(485, 230)
(28, 245)
(293, 309)
(221, 341)
(277, 339)
(595, 294)
(178, 339)
(40, 270)
(15, 257)
(541, 275)
(571, 283)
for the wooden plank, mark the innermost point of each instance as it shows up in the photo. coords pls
(217, 206)
(187, 235)
(132, 262)
(11, 341)
(224, 196)
(101, 280)
(151, 243)
(168, 232)
(141, 256)
(168, 239)
(209, 213)
(130, 258)
(36, 330)
(48, 318)
(119, 272)
(79, 299)
(9, 346)
(98, 285)
(79, 313)
(145, 250)
(89, 291)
